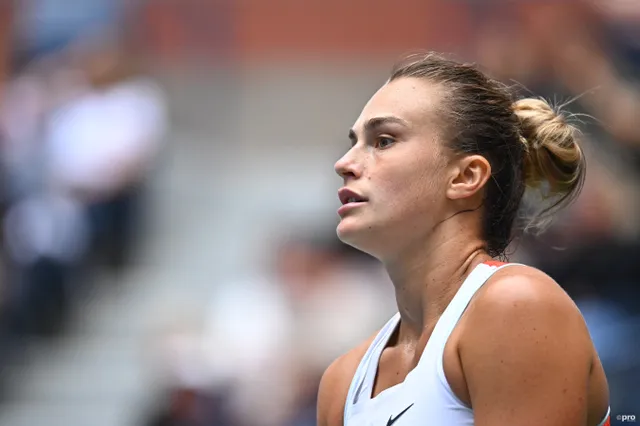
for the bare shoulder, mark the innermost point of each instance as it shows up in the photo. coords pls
(526, 353)
(523, 299)
(335, 383)
(521, 291)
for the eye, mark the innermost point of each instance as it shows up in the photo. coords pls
(384, 142)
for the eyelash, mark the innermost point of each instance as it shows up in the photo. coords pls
(384, 138)
(377, 142)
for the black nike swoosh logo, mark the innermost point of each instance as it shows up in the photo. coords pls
(392, 419)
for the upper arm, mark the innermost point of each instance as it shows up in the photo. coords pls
(529, 357)
(331, 392)
(335, 383)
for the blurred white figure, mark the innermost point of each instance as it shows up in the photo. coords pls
(45, 225)
(101, 145)
(276, 333)
(104, 140)
(247, 333)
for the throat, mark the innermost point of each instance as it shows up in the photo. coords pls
(425, 289)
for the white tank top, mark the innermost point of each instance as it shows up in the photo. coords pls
(424, 397)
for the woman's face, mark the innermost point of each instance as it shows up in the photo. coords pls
(396, 169)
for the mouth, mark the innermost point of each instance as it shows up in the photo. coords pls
(348, 196)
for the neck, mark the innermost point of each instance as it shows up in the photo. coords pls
(428, 275)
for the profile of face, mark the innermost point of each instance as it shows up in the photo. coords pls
(400, 179)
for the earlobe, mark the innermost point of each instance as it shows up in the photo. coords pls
(469, 177)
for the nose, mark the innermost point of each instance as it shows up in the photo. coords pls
(348, 167)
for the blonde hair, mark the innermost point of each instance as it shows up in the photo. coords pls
(554, 162)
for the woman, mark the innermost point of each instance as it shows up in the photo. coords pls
(440, 158)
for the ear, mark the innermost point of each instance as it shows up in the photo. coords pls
(468, 176)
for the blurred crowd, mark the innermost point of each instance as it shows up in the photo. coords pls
(81, 127)
(257, 356)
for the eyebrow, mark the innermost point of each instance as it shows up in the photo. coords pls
(376, 122)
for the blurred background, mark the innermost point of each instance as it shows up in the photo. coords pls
(167, 196)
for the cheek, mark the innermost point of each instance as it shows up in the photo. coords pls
(415, 188)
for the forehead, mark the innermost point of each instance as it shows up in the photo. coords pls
(411, 99)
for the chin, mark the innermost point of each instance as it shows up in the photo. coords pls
(357, 235)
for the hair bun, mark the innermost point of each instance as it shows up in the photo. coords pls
(553, 156)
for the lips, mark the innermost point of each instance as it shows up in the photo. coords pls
(348, 196)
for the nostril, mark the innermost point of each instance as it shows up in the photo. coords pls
(346, 167)
(344, 171)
